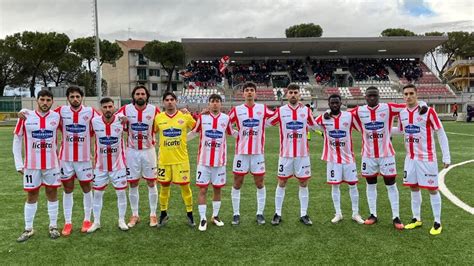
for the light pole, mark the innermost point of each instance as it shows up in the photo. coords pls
(97, 52)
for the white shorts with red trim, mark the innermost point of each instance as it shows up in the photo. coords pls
(299, 167)
(141, 163)
(82, 170)
(34, 178)
(339, 172)
(384, 166)
(253, 163)
(420, 174)
(102, 179)
(213, 175)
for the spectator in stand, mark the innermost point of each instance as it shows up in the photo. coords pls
(454, 109)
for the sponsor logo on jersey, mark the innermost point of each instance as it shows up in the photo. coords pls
(249, 133)
(75, 128)
(108, 140)
(337, 134)
(42, 134)
(412, 129)
(294, 135)
(294, 125)
(211, 144)
(139, 126)
(374, 125)
(172, 132)
(214, 134)
(250, 122)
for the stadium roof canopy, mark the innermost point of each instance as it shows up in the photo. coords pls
(250, 48)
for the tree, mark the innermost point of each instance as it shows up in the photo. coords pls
(169, 54)
(109, 52)
(391, 32)
(33, 49)
(66, 69)
(304, 30)
(11, 71)
(459, 44)
(85, 49)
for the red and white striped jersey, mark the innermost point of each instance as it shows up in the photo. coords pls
(76, 133)
(39, 133)
(294, 123)
(212, 139)
(338, 146)
(140, 125)
(376, 126)
(418, 133)
(250, 122)
(109, 152)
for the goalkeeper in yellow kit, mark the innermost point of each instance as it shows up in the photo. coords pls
(173, 163)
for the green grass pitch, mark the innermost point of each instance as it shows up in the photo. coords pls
(291, 242)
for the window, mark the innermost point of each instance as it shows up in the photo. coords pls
(154, 86)
(154, 72)
(141, 73)
(141, 59)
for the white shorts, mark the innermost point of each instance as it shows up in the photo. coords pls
(420, 174)
(341, 172)
(82, 171)
(102, 179)
(141, 163)
(34, 178)
(214, 175)
(253, 163)
(371, 167)
(299, 167)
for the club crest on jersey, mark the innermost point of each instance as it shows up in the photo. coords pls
(250, 122)
(108, 140)
(412, 129)
(85, 118)
(374, 125)
(337, 134)
(294, 125)
(139, 127)
(75, 128)
(345, 124)
(180, 122)
(42, 134)
(172, 132)
(302, 115)
(419, 119)
(223, 125)
(214, 134)
(117, 130)
(259, 113)
(148, 117)
(382, 115)
(53, 123)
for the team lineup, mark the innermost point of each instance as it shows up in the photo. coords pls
(123, 162)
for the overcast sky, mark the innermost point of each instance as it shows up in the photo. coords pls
(173, 19)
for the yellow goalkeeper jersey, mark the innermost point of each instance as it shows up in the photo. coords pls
(172, 137)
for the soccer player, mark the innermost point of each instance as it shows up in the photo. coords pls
(378, 156)
(109, 162)
(339, 154)
(250, 119)
(212, 157)
(74, 155)
(141, 155)
(294, 119)
(173, 162)
(421, 165)
(41, 167)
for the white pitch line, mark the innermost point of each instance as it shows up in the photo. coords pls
(461, 134)
(448, 194)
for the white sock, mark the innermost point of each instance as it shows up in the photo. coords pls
(354, 194)
(416, 204)
(133, 196)
(394, 201)
(279, 197)
(261, 198)
(303, 195)
(372, 198)
(87, 202)
(97, 205)
(153, 199)
(336, 199)
(121, 203)
(53, 207)
(216, 206)
(236, 201)
(202, 211)
(30, 212)
(68, 202)
(436, 206)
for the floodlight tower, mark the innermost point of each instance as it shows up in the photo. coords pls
(97, 51)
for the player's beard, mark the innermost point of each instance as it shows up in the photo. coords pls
(140, 102)
(75, 104)
(44, 108)
(108, 115)
(293, 101)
